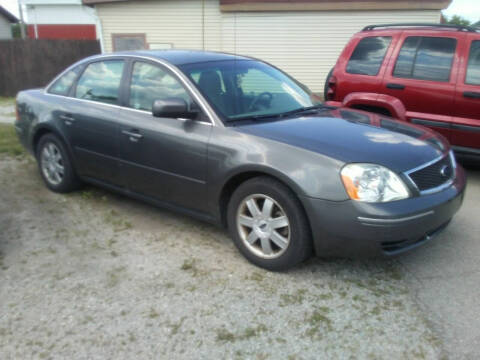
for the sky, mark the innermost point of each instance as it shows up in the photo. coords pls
(469, 9)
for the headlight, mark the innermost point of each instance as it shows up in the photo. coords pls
(373, 183)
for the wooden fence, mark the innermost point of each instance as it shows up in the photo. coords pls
(26, 64)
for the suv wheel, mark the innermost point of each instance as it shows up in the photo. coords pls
(268, 224)
(55, 165)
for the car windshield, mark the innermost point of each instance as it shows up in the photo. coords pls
(248, 89)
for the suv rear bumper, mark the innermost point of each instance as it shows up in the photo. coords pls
(355, 229)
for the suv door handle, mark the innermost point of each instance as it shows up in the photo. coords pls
(68, 118)
(471, 94)
(133, 135)
(395, 86)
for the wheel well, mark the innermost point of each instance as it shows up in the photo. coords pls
(373, 109)
(239, 179)
(37, 137)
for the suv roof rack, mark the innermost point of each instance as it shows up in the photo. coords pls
(448, 26)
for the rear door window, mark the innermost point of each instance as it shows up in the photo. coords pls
(367, 58)
(426, 58)
(64, 83)
(101, 81)
(473, 68)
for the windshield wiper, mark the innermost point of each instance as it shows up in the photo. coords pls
(281, 115)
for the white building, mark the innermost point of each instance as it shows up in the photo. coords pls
(6, 21)
(302, 37)
(59, 19)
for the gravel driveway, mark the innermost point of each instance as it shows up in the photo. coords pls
(93, 275)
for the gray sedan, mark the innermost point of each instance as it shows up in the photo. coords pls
(237, 142)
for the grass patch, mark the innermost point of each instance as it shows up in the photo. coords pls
(9, 144)
(5, 101)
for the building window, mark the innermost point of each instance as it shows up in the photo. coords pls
(124, 42)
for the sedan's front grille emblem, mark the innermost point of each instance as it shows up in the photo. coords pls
(445, 171)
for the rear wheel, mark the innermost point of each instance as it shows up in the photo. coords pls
(268, 224)
(55, 165)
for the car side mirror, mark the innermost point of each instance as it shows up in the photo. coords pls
(173, 108)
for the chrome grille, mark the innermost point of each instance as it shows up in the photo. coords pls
(434, 175)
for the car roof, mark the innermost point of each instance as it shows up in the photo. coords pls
(182, 57)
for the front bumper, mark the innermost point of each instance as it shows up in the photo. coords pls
(355, 229)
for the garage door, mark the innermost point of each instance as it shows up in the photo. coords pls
(305, 44)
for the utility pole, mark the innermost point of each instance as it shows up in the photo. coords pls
(22, 23)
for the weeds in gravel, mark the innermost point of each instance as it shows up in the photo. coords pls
(318, 320)
(112, 217)
(9, 144)
(175, 327)
(114, 275)
(191, 266)
(153, 314)
(223, 335)
(291, 299)
(256, 276)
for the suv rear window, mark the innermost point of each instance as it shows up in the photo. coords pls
(473, 69)
(426, 58)
(368, 55)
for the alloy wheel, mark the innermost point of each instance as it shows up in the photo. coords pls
(52, 163)
(263, 226)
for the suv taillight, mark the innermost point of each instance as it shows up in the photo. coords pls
(332, 88)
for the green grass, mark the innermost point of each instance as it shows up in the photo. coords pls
(9, 144)
(4, 101)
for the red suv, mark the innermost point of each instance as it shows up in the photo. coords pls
(427, 74)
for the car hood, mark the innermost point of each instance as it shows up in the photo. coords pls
(355, 136)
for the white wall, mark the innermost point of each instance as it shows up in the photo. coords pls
(305, 44)
(5, 29)
(59, 14)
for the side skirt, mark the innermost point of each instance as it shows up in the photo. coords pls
(157, 203)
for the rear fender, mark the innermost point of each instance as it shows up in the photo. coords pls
(390, 103)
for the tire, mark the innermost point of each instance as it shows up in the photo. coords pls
(64, 181)
(325, 88)
(285, 218)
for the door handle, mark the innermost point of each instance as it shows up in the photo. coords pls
(133, 135)
(68, 118)
(471, 94)
(395, 86)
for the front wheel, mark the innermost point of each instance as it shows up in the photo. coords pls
(268, 224)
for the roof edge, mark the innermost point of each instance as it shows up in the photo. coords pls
(332, 5)
(93, 2)
(10, 17)
(316, 5)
